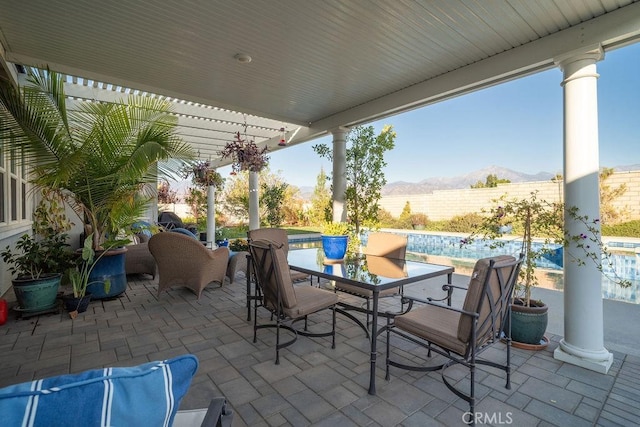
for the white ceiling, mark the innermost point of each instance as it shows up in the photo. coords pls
(316, 65)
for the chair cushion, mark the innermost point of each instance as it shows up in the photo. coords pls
(297, 276)
(474, 294)
(386, 244)
(364, 293)
(142, 228)
(310, 300)
(147, 394)
(289, 297)
(184, 231)
(434, 324)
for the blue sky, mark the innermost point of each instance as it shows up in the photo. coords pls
(517, 125)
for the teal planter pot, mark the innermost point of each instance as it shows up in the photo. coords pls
(528, 324)
(109, 267)
(36, 294)
(334, 247)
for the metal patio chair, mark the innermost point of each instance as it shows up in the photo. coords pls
(461, 335)
(286, 303)
(379, 244)
(277, 235)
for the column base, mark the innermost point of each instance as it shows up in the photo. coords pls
(598, 362)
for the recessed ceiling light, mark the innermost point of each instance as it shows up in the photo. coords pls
(242, 58)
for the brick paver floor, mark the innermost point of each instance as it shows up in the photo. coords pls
(313, 385)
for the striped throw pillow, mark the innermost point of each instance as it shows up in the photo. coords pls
(144, 395)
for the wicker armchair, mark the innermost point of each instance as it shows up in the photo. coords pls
(184, 261)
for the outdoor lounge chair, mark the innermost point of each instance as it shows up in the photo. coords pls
(462, 334)
(184, 261)
(389, 245)
(286, 303)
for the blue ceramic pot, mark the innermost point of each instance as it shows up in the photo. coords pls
(334, 247)
(109, 267)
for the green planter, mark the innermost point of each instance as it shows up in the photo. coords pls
(528, 324)
(36, 294)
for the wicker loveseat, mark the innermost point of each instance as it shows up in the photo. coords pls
(138, 259)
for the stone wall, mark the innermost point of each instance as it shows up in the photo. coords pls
(445, 204)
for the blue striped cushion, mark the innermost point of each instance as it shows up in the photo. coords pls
(144, 395)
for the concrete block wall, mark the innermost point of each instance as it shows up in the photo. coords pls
(445, 204)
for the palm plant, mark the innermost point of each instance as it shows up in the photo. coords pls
(105, 156)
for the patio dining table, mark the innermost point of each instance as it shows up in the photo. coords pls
(367, 272)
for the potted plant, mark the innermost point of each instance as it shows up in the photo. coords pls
(32, 262)
(39, 259)
(203, 175)
(419, 221)
(221, 238)
(540, 226)
(103, 157)
(80, 279)
(245, 154)
(335, 238)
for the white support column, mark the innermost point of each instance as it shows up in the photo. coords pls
(583, 342)
(151, 212)
(211, 213)
(254, 211)
(339, 174)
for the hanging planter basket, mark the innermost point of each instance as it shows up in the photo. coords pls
(245, 154)
(203, 175)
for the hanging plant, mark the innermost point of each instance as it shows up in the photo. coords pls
(245, 154)
(203, 175)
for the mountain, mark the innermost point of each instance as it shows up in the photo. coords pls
(464, 181)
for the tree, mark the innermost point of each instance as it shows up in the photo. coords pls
(272, 199)
(609, 214)
(105, 157)
(293, 207)
(236, 196)
(491, 181)
(196, 199)
(404, 221)
(236, 193)
(364, 175)
(320, 201)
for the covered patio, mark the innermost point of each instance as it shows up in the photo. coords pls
(313, 385)
(316, 69)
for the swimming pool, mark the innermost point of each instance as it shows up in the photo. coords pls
(442, 248)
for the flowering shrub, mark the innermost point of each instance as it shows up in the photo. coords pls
(535, 218)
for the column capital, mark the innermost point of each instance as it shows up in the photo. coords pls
(339, 131)
(592, 53)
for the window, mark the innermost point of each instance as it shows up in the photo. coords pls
(15, 205)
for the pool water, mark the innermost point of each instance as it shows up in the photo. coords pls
(445, 249)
